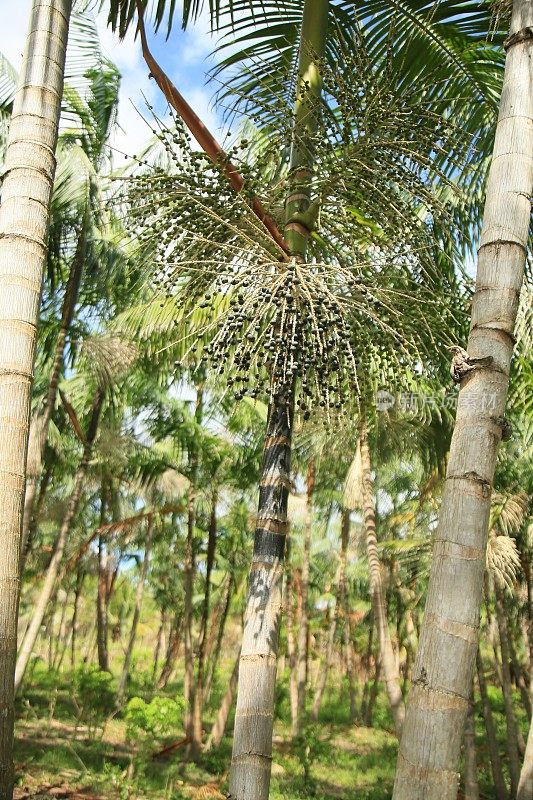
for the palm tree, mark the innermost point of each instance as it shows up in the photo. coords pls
(438, 701)
(26, 193)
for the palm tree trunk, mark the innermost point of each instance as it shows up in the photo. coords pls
(304, 620)
(37, 510)
(28, 178)
(438, 702)
(345, 610)
(102, 589)
(80, 577)
(519, 676)
(219, 725)
(198, 700)
(40, 424)
(136, 612)
(389, 666)
(291, 641)
(174, 642)
(471, 783)
(159, 643)
(189, 575)
(510, 717)
(328, 658)
(367, 720)
(525, 784)
(492, 742)
(213, 650)
(254, 716)
(366, 666)
(53, 568)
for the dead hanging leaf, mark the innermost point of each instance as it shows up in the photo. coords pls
(353, 486)
(503, 560)
(74, 421)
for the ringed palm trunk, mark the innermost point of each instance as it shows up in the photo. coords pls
(29, 171)
(438, 701)
(139, 594)
(303, 630)
(254, 717)
(389, 664)
(40, 424)
(53, 568)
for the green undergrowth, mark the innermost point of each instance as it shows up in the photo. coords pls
(69, 731)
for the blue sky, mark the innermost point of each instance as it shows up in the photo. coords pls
(185, 57)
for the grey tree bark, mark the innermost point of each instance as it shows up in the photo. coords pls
(28, 178)
(389, 665)
(431, 741)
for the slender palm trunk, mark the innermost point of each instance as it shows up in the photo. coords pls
(28, 178)
(519, 675)
(367, 719)
(525, 784)
(174, 642)
(221, 720)
(214, 648)
(53, 568)
(254, 717)
(80, 577)
(328, 657)
(189, 575)
(37, 511)
(159, 643)
(471, 783)
(438, 702)
(139, 594)
(199, 688)
(389, 665)
(303, 629)
(492, 742)
(345, 610)
(40, 424)
(291, 639)
(102, 588)
(510, 717)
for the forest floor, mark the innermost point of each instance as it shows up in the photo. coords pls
(58, 758)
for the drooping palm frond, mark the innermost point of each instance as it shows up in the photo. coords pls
(503, 560)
